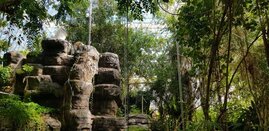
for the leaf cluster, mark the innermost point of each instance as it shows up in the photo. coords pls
(137, 7)
(5, 75)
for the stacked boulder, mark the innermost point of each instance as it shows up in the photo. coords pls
(62, 77)
(139, 120)
(78, 88)
(106, 96)
(51, 70)
(56, 59)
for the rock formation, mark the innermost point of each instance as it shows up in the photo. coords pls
(62, 78)
(141, 120)
(107, 95)
(13, 59)
(51, 68)
(78, 89)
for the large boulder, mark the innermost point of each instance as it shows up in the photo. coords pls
(107, 76)
(52, 124)
(105, 107)
(78, 88)
(13, 59)
(86, 66)
(108, 123)
(34, 82)
(33, 58)
(53, 46)
(77, 94)
(58, 59)
(140, 119)
(78, 120)
(43, 91)
(58, 74)
(107, 92)
(110, 91)
(109, 60)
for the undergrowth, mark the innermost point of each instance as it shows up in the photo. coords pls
(21, 115)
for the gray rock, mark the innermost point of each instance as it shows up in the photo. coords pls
(52, 124)
(78, 120)
(108, 123)
(53, 46)
(59, 59)
(35, 86)
(56, 70)
(86, 66)
(80, 87)
(77, 94)
(107, 76)
(77, 91)
(105, 107)
(109, 60)
(12, 57)
(58, 74)
(107, 91)
(140, 119)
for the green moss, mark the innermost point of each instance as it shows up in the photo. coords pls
(25, 116)
(137, 128)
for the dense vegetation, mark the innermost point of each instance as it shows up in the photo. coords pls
(21, 115)
(222, 62)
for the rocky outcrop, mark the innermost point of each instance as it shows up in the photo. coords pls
(141, 120)
(56, 59)
(13, 59)
(51, 123)
(78, 89)
(109, 60)
(51, 68)
(106, 95)
(62, 78)
(108, 123)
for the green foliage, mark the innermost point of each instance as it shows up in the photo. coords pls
(23, 116)
(109, 35)
(24, 52)
(29, 16)
(137, 8)
(5, 75)
(27, 69)
(35, 47)
(3, 45)
(134, 110)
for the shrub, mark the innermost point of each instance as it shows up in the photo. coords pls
(5, 75)
(21, 115)
(26, 69)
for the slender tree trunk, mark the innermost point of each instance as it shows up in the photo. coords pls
(264, 31)
(223, 114)
(264, 22)
(213, 54)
